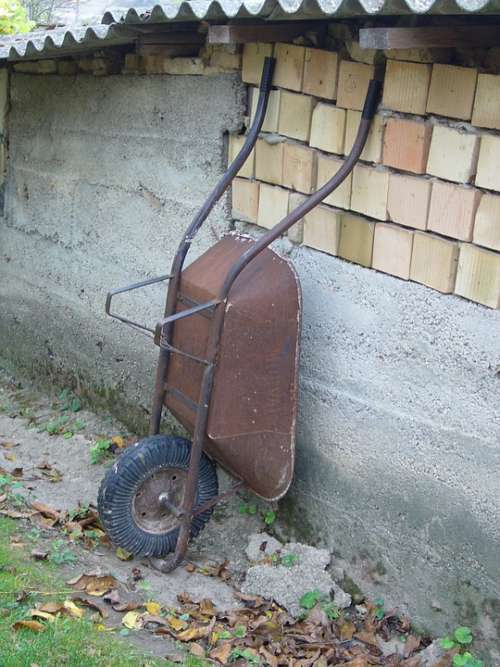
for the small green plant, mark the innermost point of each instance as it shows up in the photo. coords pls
(289, 560)
(69, 401)
(379, 609)
(55, 426)
(269, 517)
(246, 654)
(59, 554)
(248, 508)
(462, 637)
(310, 599)
(240, 631)
(100, 450)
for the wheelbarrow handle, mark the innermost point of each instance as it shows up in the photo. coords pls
(129, 288)
(316, 198)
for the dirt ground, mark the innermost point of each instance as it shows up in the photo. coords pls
(45, 442)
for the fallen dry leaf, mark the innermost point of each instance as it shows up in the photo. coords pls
(45, 510)
(118, 441)
(123, 555)
(10, 456)
(195, 632)
(153, 608)
(37, 613)
(197, 650)
(14, 514)
(34, 626)
(94, 584)
(132, 620)
(51, 607)
(222, 653)
(126, 606)
(39, 554)
(176, 623)
(412, 643)
(72, 609)
(91, 604)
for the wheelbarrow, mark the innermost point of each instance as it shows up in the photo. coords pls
(227, 370)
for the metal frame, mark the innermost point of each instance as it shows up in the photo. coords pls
(164, 329)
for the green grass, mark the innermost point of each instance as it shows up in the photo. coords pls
(68, 642)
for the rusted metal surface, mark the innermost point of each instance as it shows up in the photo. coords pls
(251, 420)
(155, 504)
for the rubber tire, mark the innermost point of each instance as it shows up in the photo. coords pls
(122, 480)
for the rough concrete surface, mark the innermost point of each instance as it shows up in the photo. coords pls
(286, 585)
(104, 176)
(398, 447)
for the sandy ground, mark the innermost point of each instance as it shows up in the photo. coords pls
(23, 413)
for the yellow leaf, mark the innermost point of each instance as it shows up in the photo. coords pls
(10, 457)
(118, 441)
(131, 620)
(122, 554)
(153, 608)
(72, 609)
(35, 613)
(35, 626)
(196, 632)
(176, 623)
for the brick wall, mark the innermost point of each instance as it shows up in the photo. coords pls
(424, 202)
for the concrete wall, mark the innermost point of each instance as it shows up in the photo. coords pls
(104, 176)
(399, 429)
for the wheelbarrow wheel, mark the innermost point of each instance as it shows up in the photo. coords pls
(140, 494)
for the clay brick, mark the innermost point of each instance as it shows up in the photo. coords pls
(356, 239)
(245, 199)
(487, 224)
(478, 275)
(236, 141)
(269, 161)
(271, 119)
(370, 188)
(321, 73)
(434, 262)
(406, 86)
(486, 111)
(273, 205)
(296, 232)
(253, 61)
(452, 90)
(299, 168)
(406, 144)
(392, 248)
(353, 84)
(295, 115)
(289, 71)
(322, 229)
(328, 128)
(328, 167)
(372, 152)
(453, 154)
(452, 210)
(488, 173)
(408, 200)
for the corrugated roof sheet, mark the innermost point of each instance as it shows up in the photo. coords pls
(283, 9)
(56, 42)
(113, 29)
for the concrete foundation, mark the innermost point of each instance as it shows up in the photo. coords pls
(398, 452)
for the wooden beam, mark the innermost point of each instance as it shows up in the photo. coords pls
(431, 37)
(259, 32)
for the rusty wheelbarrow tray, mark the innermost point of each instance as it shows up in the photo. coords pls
(227, 370)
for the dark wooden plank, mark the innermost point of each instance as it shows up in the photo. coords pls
(258, 32)
(431, 37)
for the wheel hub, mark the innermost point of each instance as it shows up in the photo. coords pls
(150, 507)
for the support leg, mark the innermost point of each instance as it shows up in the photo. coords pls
(193, 472)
